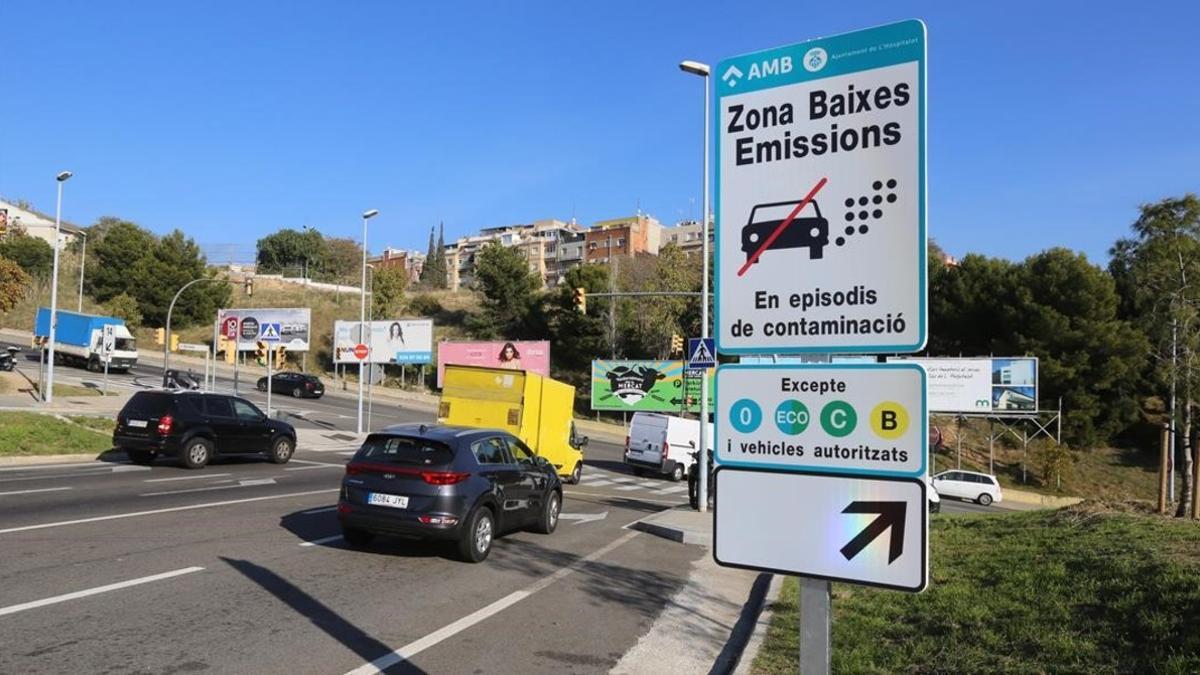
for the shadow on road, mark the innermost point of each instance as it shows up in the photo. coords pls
(322, 525)
(318, 614)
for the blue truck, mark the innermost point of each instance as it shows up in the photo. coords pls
(79, 340)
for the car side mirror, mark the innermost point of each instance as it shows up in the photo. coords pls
(583, 441)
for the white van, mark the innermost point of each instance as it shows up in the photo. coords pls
(662, 444)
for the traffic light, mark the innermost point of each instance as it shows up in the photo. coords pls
(160, 335)
(174, 342)
(280, 355)
(261, 353)
(249, 286)
(579, 298)
(676, 344)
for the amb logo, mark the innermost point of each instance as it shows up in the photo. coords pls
(780, 65)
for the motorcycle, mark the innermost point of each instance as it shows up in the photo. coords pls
(8, 359)
(175, 379)
(693, 479)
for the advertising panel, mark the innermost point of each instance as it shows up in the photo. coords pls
(531, 356)
(980, 385)
(391, 341)
(248, 326)
(648, 386)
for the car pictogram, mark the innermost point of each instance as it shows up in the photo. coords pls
(811, 232)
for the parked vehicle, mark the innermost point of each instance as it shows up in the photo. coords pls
(970, 485)
(532, 407)
(8, 358)
(78, 340)
(448, 483)
(195, 427)
(298, 385)
(663, 444)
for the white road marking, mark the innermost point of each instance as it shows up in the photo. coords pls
(243, 483)
(173, 509)
(672, 489)
(314, 465)
(324, 540)
(36, 467)
(450, 630)
(13, 609)
(581, 518)
(626, 488)
(29, 492)
(203, 475)
(596, 481)
(124, 468)
(321, 510)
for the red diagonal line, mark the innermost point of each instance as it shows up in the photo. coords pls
(784, 225)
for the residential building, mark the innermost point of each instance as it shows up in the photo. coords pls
(412, 262)
(20, 217)
(688, 236)
(622, 237)
(539, 242)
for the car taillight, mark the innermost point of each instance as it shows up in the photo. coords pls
(308, 386)
(443, 477)
(353, 469)
(666, 449)
(626, 444)
(164, 425)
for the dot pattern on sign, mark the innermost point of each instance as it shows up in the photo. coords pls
(877, 199)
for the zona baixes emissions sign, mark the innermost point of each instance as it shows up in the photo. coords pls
(821, 195)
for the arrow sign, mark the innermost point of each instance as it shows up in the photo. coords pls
(891, 514)
(583, 517)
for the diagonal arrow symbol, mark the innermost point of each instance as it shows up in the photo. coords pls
(891, 514)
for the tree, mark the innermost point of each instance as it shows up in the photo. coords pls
(116, 264)
(648, 323)
(34, 255)
(125, 307)
(439, 259)
(1157, 272)
(15, 283)
(579, 338)
(175, 261)
(387, 292)
(341, 258)
(288, 249)
(511, 298)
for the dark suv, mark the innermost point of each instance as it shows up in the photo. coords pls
(195, 426)
(444, 482)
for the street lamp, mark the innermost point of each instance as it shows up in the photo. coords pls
(702, 70)
(48, 393)
(362, 311)
(82, 258)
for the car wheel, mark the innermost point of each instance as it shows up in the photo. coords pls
(985, 499)
(281, 450)
(262, 386)
(357, 537)
(677, 473)
(476, 540)
(140, 456)
(197, 453)
(296, 393)
(93, 365)
(576, 474)
(548, 520)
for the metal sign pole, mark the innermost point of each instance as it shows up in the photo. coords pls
(106, 360)
(815, 626)
(370, 392)
(270, 355)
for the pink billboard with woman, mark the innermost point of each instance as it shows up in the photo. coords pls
(531, 356)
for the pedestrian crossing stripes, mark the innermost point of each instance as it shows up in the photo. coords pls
(618, 482)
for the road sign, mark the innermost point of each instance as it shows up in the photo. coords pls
(821, 195)
(192, 347)
(866, 419)
(361, 352)
(269, 332)
(108, 341)
(701, 353)
(860, 529)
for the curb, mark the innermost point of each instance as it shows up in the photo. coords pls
(676, 534)
(762, 623)
(32, 460)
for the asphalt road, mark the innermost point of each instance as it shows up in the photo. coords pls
(238, 568)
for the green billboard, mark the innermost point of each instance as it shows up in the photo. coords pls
(650, 386)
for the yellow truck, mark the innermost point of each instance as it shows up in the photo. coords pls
(532, 407)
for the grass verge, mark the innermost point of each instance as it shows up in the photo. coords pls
(101, 424)
(26, 434)
(1086, 589)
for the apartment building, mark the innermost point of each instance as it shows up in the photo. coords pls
(19, 217)
(541, 243)
(412, 262)
(688, 235)
(622, 237)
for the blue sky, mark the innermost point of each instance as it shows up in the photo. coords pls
(1049, 122)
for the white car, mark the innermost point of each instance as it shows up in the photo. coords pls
(978, 487)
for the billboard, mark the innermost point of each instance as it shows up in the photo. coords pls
(531, 356)
(248, 326)
(395, 341)
(980, 385)
(648, 386)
